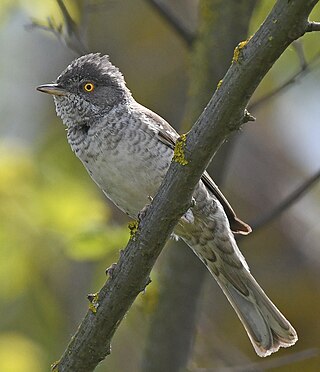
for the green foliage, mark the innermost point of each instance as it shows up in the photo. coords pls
(39, 204)
(49, 218)
(39, 9)
(30, 354)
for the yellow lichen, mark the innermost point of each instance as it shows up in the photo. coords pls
(94, 304)
(55, 366)
(219, 84)
(237, 51)
(270, 38)
(133, 227)
(178, 155)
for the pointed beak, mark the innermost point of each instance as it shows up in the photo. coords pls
(54, 89)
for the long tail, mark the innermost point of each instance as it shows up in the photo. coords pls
(267, 328)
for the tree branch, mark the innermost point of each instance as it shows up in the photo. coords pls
(166, 12)
(68, 33)
(286, 203)
(313, 26)
(223, 114)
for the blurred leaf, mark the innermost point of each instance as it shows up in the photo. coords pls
(44, 208)
(19, 354)
(6, 6)
(95, 243)
(40, 9)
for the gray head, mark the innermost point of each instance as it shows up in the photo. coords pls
(87, 89)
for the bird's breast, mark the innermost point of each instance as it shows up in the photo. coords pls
(128, 164)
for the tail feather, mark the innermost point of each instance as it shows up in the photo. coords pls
(267, 328)
(209, 235)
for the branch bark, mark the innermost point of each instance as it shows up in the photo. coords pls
(224, 114)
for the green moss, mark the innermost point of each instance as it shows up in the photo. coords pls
(133, 227)
(178, 155)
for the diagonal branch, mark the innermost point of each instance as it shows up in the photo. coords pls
(68, 33)
(286, 203)
(223, 115)
(166, 12)
(282, 361)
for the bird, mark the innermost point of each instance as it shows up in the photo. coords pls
(127, 149)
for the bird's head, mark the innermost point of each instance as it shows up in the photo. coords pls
(87, 90)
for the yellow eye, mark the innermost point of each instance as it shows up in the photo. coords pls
(88, 87)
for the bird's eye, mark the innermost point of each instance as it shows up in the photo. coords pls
(88, 87)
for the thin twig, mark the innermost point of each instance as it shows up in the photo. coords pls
(276, 362)
(68, 33)
(269, 364)
(167, 13)
(286, 203)
(313, 26)
(56, 30)
(304, 70)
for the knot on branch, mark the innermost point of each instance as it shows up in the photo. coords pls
(54, 366)
(110, 269)
(247, 117)
(144, 287)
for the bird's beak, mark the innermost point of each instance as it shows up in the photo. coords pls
(54, 89)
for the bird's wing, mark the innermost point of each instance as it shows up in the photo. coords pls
(237, 226)
(169, 136)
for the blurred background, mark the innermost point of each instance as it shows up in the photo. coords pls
(58, 233)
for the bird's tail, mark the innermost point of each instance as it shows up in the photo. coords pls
(267, 328)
